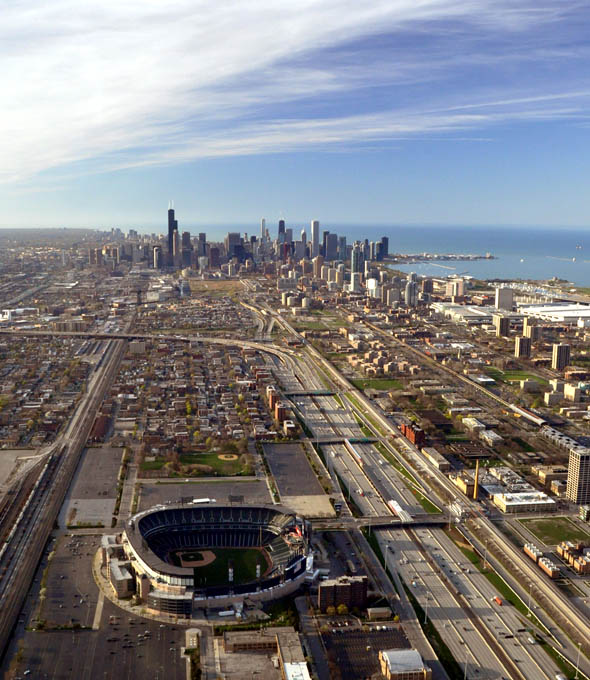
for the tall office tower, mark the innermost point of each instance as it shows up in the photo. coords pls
(214, 258)
(412, 276)
(172, 227)
(324, 243)
(317, 261)
(187, 249)
(378, 251)
(332, 247)
(288, 235)
(342, 250)
(262, 229)
(504, 299)
(366, 250)
(176, 249)
(578, 476)
(233, 244)
(501, 324)
(372, 254)
(428, 286)
(303, 236)
(202, 247)
(411, 293)
(357, 259)
(281, 235)
(315, 238)
(522, 348)
(157, 257)
(384, 246)
(560, 357)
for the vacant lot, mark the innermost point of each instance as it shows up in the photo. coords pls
(554, 530)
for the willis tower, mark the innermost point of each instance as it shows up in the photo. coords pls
(172, 227)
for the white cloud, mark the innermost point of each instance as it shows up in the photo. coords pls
(116, 84)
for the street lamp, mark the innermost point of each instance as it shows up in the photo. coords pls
(485, 559)
(426, 612)
(530, 591)
(578, 661)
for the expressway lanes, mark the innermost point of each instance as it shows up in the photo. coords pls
(387, 479)
(356, 483)
(465, 642)
(505, 623)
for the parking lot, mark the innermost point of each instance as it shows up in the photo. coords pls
(91, 499)
(154, 494)
(291, 470)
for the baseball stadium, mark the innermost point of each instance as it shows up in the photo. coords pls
(205, 555)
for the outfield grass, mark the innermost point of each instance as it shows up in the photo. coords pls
(554, 530)
(378, 384)
(244, 562)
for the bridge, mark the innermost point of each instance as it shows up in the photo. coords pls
(378, 522)
(310, 393)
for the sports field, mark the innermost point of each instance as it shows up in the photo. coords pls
(215, 572)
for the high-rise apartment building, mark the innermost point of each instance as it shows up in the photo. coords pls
(578, 476)
(522, 348)
(411, 293)
(502, 325)
(315, 238)
(560, 357)
(504, 299)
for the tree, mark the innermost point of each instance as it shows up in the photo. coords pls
(342, 610)
(330, 611)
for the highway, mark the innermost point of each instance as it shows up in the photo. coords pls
(370, 501)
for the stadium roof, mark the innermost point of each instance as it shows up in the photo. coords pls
(402, 660)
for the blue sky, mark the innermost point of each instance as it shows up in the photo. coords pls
(403, 111)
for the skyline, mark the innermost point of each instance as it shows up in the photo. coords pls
(444, 113)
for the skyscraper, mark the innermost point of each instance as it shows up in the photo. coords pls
(411, 293)
(281, 235)
(560, 357)
(172, 227)
(262, 229)
(357, 259)
(384, 246)
(315, 238)
(578, 476)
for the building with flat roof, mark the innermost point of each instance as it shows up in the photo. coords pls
(348, 590)
(560, 356)
(522, 348)
(524, 502)
(403, 664)
(578, 476)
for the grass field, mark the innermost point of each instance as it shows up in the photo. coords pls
(513, 376)
(555, 530)
(378, 384)
(210, 462)
(226, 468)
(244, 560)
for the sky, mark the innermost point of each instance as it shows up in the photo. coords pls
(443, 112)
